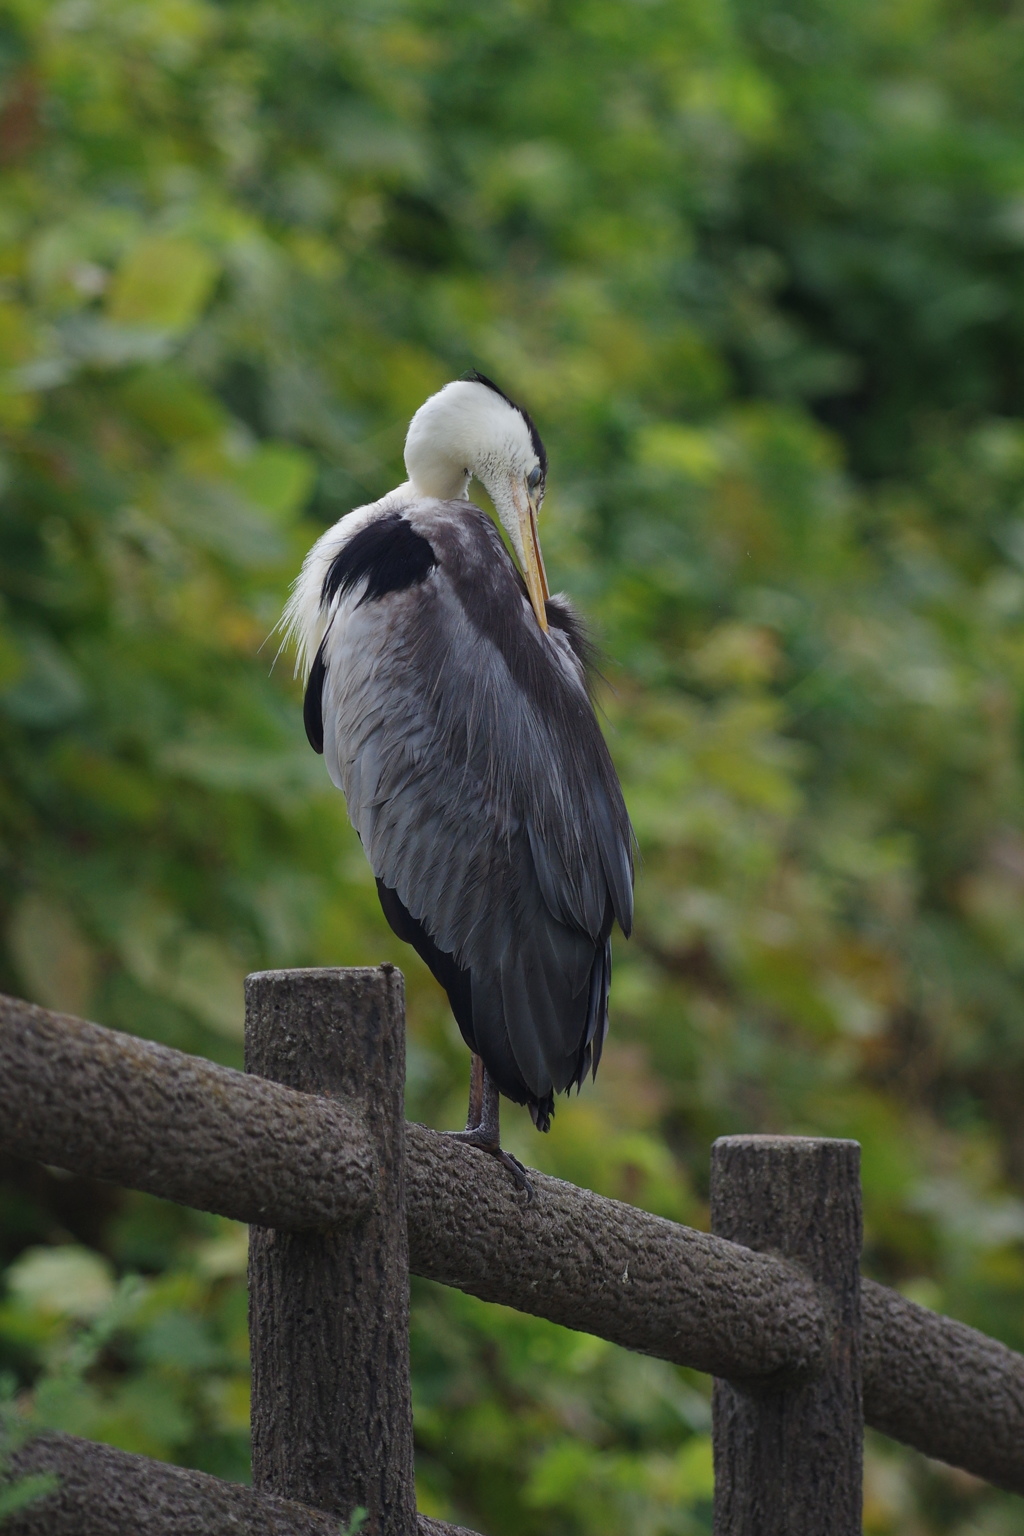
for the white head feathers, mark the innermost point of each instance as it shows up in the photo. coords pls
(471, 428)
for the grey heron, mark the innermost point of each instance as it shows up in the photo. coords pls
(449, 693)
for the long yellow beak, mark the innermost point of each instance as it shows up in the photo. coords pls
(533, 561)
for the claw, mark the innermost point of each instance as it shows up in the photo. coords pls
(482, 1126)
(480, 1138)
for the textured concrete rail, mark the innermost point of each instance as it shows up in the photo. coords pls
(110, 1106)
(172, 1125)
(103, 1492)
(607, 1268)
(942, 1387)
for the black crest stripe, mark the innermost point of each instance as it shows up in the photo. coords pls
(538, 447)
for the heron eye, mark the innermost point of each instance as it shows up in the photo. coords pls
(533, 478)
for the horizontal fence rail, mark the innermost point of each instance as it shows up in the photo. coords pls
(607, 1268)
(111, 1106)
(947, 1389)
(104, 1492)
(91, 1100)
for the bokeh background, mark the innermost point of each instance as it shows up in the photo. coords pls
(758, 270)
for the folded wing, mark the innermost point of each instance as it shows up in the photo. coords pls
(481, 787)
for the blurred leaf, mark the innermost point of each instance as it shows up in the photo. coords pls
(56, 965)
(25, 1492)
(48, 691)
(68, 1281)
(193, 969)
(277, 477)
(173, 405)
(163, 282)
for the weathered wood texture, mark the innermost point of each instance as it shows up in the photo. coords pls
(69, 1096)
(329, 1312)
(103, 1492)
(98, 1102)
(789, 1454)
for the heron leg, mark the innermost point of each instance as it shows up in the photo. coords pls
(483, 1127)
(476, 1092)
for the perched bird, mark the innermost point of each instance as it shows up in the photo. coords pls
(448, 692)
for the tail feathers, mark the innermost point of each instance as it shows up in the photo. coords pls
(589, 1059)
(600, 986)
(542, 1112)
(486, 1003)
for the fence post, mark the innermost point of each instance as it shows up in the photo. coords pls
(789, 1454)
(329, 1311)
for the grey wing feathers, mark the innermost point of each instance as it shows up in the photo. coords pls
(479, 783)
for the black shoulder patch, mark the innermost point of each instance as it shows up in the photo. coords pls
(538, 447)
(388, 552)
(313, 704)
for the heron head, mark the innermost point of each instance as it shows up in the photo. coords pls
(470, 427)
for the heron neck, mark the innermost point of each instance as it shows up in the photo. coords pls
(443, 481)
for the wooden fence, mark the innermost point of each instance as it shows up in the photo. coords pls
(344, 1199)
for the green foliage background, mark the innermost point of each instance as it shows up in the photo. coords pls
(759, 274)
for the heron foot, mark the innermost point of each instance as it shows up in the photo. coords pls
(483, 1139)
